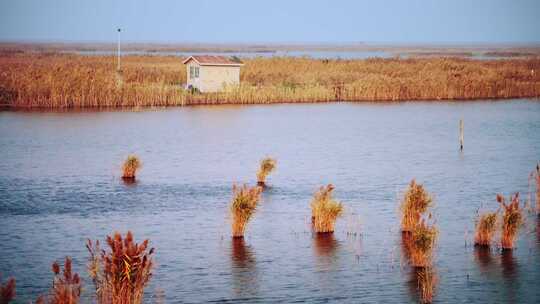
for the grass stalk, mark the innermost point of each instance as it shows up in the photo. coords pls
(415, 202)
(422, 243)
(130, 167)
(485, 229)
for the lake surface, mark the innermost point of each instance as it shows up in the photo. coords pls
(59, 185)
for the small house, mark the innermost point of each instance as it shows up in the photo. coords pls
(212, 73)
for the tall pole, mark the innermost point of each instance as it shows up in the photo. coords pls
(118, 68)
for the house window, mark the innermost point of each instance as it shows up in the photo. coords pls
(193, 72)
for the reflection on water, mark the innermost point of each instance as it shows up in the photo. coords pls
(325, 247)
(509, 265)
(244, 272)
(130, 182)
(422, 284)
(483, 257)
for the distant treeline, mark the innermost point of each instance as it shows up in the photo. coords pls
(67, 80)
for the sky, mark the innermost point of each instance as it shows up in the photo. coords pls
(278, 21)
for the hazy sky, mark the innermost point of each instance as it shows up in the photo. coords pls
(406, 21)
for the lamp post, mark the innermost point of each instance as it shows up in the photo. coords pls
(118, 68)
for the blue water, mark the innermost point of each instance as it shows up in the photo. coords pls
(59, 185)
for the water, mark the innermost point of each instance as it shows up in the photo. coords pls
(59, 185)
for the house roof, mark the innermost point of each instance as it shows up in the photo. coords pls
(213, 60)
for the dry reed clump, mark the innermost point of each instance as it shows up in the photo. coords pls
(243, 206)
(130, 167)
(325, 210)
(415, 202)
(66, 287)
(7, 291)
(77, 81)
(511, 220)
(485, 228)
(422, 242)
(120, 274)
(267, 166)
(427, 280)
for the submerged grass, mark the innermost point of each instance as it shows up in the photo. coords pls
(512, 220)
(7, 291)
(325, 210)
(485, 229)
(130, 167)
(415, 202)
(427, 280)
(67, 80)
(267, 166)
(243, 206)
(120, 274)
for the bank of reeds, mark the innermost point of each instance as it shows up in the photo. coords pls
(415, 202)
(130, 167)
(7, 291)
(325, 210)
(66, 81)
(485, 229)
(121, 273)
(512, 219)
(267, 165)
(243, 206)
(422, 243)
(66, 286)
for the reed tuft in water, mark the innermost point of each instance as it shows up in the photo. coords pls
(267, 166)
(7, 291)
(485, 229)
(325, 210)
(422, 243)
(130, 167)
(66, 286)
(243, 206)
(511, 220)
(120, 274)
(415, 202)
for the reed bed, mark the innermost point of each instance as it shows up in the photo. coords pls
(267, 166)
(325, 210)
(512, 220)
(120, 274)
(415, 202)
(485, 229)
(76, 81)
(243, 206)
(7, 291)
(130, 167)
(422, 243)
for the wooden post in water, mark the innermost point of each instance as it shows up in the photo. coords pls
(461, 134)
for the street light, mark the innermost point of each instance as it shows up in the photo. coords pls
(118, 68)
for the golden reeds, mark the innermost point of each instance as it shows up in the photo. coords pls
(130, 167)
(415, 202)
(511, 220)
(422, 243)
(325, 210)
(120, 274)
(243, 206)
(267, 166)
(67, 80)
(7, 291)
(485, 228)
